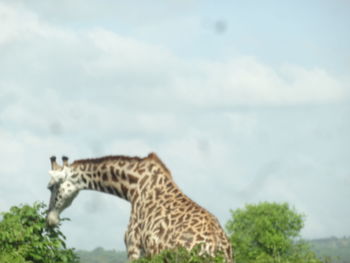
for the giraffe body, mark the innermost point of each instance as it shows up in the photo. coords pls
(162, 216)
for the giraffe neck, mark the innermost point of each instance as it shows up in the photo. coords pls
(121, 176)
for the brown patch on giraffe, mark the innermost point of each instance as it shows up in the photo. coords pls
(180, 219)
(150, 167)
(132, 179)
(195, 221)
(139, 165)
(84, 179)
(167, 234)
(161, 230)
(122, 175)
(157, 171)
(167, 196)
(114, 176)
(150, 210)
(130, 166)
(124, 190)
(229, 250)
(154, 180)
(158, 191)
(117, 192)
(136, 196)
(200, 238)
(172, 242)
(104, 177)
(143, 181)
(141, 171)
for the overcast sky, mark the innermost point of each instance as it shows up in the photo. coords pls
(245, 101)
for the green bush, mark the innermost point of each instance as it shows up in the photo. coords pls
(25, 238)
(181, 255)
(269, 233)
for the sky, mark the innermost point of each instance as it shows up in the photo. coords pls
(244, 101)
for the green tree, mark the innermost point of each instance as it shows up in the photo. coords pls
(268, 233)
(25, 238)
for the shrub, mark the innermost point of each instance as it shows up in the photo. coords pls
(25, 238)
(269, 233)
(181, 255)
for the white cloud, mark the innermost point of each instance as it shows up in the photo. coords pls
(246, 81)
(131, 147)
(93, 57)
(128, 13)
(242, 124)
(19, 24)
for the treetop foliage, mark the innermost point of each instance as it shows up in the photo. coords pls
(268, 233)
(24, 237)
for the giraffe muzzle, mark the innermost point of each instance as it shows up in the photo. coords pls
(52, 218)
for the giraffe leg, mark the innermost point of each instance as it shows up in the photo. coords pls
(133, 247)
(133, 253)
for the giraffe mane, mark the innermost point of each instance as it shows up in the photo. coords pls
(107, 158)
(152, 156)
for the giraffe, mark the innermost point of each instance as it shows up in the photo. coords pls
(162, 216)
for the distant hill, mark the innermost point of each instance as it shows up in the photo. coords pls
(338, 249)
(100, 255)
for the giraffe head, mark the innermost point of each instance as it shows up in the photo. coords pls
(63, 190)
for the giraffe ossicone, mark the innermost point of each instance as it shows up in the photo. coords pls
(162, 216)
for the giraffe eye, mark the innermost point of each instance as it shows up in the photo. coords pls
(52, 186)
